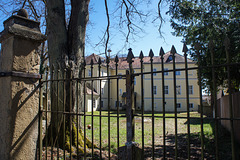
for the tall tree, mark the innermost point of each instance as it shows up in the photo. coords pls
(201, 21)
(66, 44)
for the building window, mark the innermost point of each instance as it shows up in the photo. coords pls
(154, 70)
(190, 89)
(190, 73)
(102, 90)
(178, 105)
(94, 103)
(102, 72)
(155, 105)
(166, 89)
(154, 89)
(89, 72)
(191, 105)
(166, 71)
(101, 103)
(178, 90)
(120, 92)
(178, 73)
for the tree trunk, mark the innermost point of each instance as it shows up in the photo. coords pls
(66, 47)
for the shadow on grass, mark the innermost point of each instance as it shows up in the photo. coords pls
(198, 121)
(195, 148)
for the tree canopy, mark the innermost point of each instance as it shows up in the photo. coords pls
(200, 21)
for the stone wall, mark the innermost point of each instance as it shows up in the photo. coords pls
(19, 101)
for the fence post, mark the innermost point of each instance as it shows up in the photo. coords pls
(130, 108)
(19, 101)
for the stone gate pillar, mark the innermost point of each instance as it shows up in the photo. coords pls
(19, 99)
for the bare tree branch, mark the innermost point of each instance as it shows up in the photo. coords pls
(160, 17)
(108, 25)
(36, 16)
(24, 3)
(128, 19)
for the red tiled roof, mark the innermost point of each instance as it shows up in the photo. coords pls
(123, 64)
(93, 57)
(89, 92)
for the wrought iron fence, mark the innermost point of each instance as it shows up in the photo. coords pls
(89, 109)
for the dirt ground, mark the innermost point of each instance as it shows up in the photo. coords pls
(158, 151)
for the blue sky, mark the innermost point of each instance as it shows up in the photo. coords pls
(150, 39)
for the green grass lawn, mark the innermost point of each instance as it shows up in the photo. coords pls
(195, 128)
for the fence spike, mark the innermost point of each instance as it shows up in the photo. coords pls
(53, 68)
(185, 49)
(47, 69)
(91, 63)
(107, 60)
(99, 61)
(84, 63)
(151, 54)
(130, 55)
(116, 59)
(173, 50)
(141, 55)
(161, 52)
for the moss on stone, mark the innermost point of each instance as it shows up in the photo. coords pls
(78, 139)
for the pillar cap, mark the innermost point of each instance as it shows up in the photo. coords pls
(22, 27)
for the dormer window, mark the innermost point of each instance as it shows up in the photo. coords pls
(170, 58)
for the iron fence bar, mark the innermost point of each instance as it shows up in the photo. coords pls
(139, 115)
(89, 78)
(198, 47)
(109, 127)
(163, 103)
(64, 116)
(100, 112)
(130, 108)
(142, 102)
(227, 45)
(187, 99)
(190, 68)
(103, 77)
(116, 61)
(40, 119)
(139, 74)
(84, 109)
(92, 108)
(173, 51)
(46, 131)
(58, 126)
(152, 96)
(51, 138)
(21, 75)
(211, 47)
(77, 109)
(70, 109)
(130, 117)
